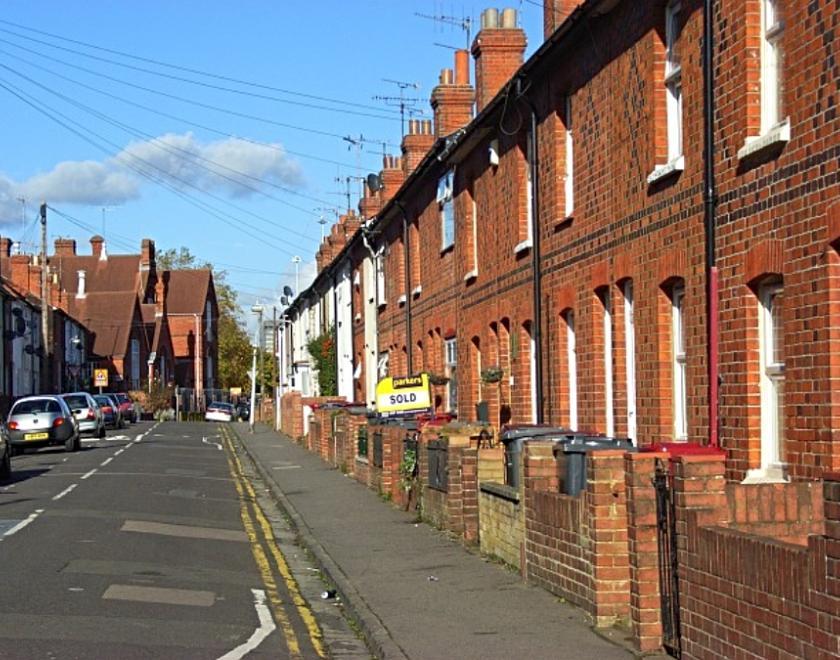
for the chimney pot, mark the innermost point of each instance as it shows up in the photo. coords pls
(508, 18)
(462, 67)
(80, 291)
(96, 245)
(490, 18)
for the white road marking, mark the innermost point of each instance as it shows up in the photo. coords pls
(215, 444)
(139, 437)
(23, 523)
(89, 474)
(266, 627)
(106, 461)
(65, 491)
(118, 452)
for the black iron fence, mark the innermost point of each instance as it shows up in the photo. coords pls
(666, 524)
(377, 449)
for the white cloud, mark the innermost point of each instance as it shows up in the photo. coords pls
(180, 158)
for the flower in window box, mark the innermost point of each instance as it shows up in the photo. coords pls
(492, 374)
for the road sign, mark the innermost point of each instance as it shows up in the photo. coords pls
(100, 377)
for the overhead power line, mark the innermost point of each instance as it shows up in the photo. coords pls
(197, 159)
(177, 118)
(198, 83)
(158, 179)
(183, 99)
(186, 69)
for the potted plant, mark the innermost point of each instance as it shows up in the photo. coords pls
(492, 374)
(438, 379)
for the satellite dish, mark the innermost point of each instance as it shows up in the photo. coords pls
(284, 300)
(374, 182)
(287, 290)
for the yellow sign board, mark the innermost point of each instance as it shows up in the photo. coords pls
(409, 394)
(236, 391)
(100, 378)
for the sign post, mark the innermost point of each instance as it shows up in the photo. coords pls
(403, 396)
(100, 378)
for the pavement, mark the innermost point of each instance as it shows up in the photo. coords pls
(413, 591)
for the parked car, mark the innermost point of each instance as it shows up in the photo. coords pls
(126, 406)
(39, 421)
(243, 410)
(87, 413)
(110, 411)
(6, 449)
(219, 412)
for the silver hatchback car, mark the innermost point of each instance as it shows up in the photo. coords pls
(38, 421)
(87, 413)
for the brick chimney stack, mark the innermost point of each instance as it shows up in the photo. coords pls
(452, 100)
(96, 243)
(147, 254)
(369, 204)
(392, 177)
(498, 50)
(416, 143)
(555, 12)
(65, 247)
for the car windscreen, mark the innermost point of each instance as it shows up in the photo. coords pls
(223, 407)
(122, 398)
(36, 406)
(76, 402)
(104, 401)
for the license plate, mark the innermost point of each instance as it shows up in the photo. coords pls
(36, 436)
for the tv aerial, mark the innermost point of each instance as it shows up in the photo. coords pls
(405, 104)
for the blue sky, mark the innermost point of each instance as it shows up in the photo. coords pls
(239, 171)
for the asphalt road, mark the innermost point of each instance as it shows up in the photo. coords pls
(157, 541)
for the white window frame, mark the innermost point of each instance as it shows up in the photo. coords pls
(673, 81)
(529, 191)
(608, 363)
(450, 355)
(382, 365)
(678, 363)
(772, 378)
(474, 221)
(379, 266)
(630, 357)
(571, 362)
(569, 174)
(445, 197)
(772, 29)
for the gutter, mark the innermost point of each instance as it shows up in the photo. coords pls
(709, 220)
(536, 271)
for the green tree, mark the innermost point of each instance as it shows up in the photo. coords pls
(234, 345)
(322, 351)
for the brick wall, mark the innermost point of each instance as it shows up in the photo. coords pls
(501, 523)
(576, 546)
(749, 594)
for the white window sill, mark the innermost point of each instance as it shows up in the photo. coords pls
(471, 275)
(358, 317)
(527, 244)
(401, 300)
(771, 474)
(416, 291)
(776, 136)
(446, 248)
(662, 171)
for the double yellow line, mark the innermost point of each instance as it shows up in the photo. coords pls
(264, 547)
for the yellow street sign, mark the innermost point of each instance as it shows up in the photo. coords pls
(100, 377)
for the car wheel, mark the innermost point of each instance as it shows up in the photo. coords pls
(101, 433)
(6, 465)
(70, 443)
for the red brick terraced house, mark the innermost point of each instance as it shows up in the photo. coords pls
(636, 233)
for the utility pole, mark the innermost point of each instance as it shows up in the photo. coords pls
(45, 307)
(275, 343)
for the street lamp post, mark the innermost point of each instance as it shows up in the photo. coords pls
(296, 261)
(257, 309)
